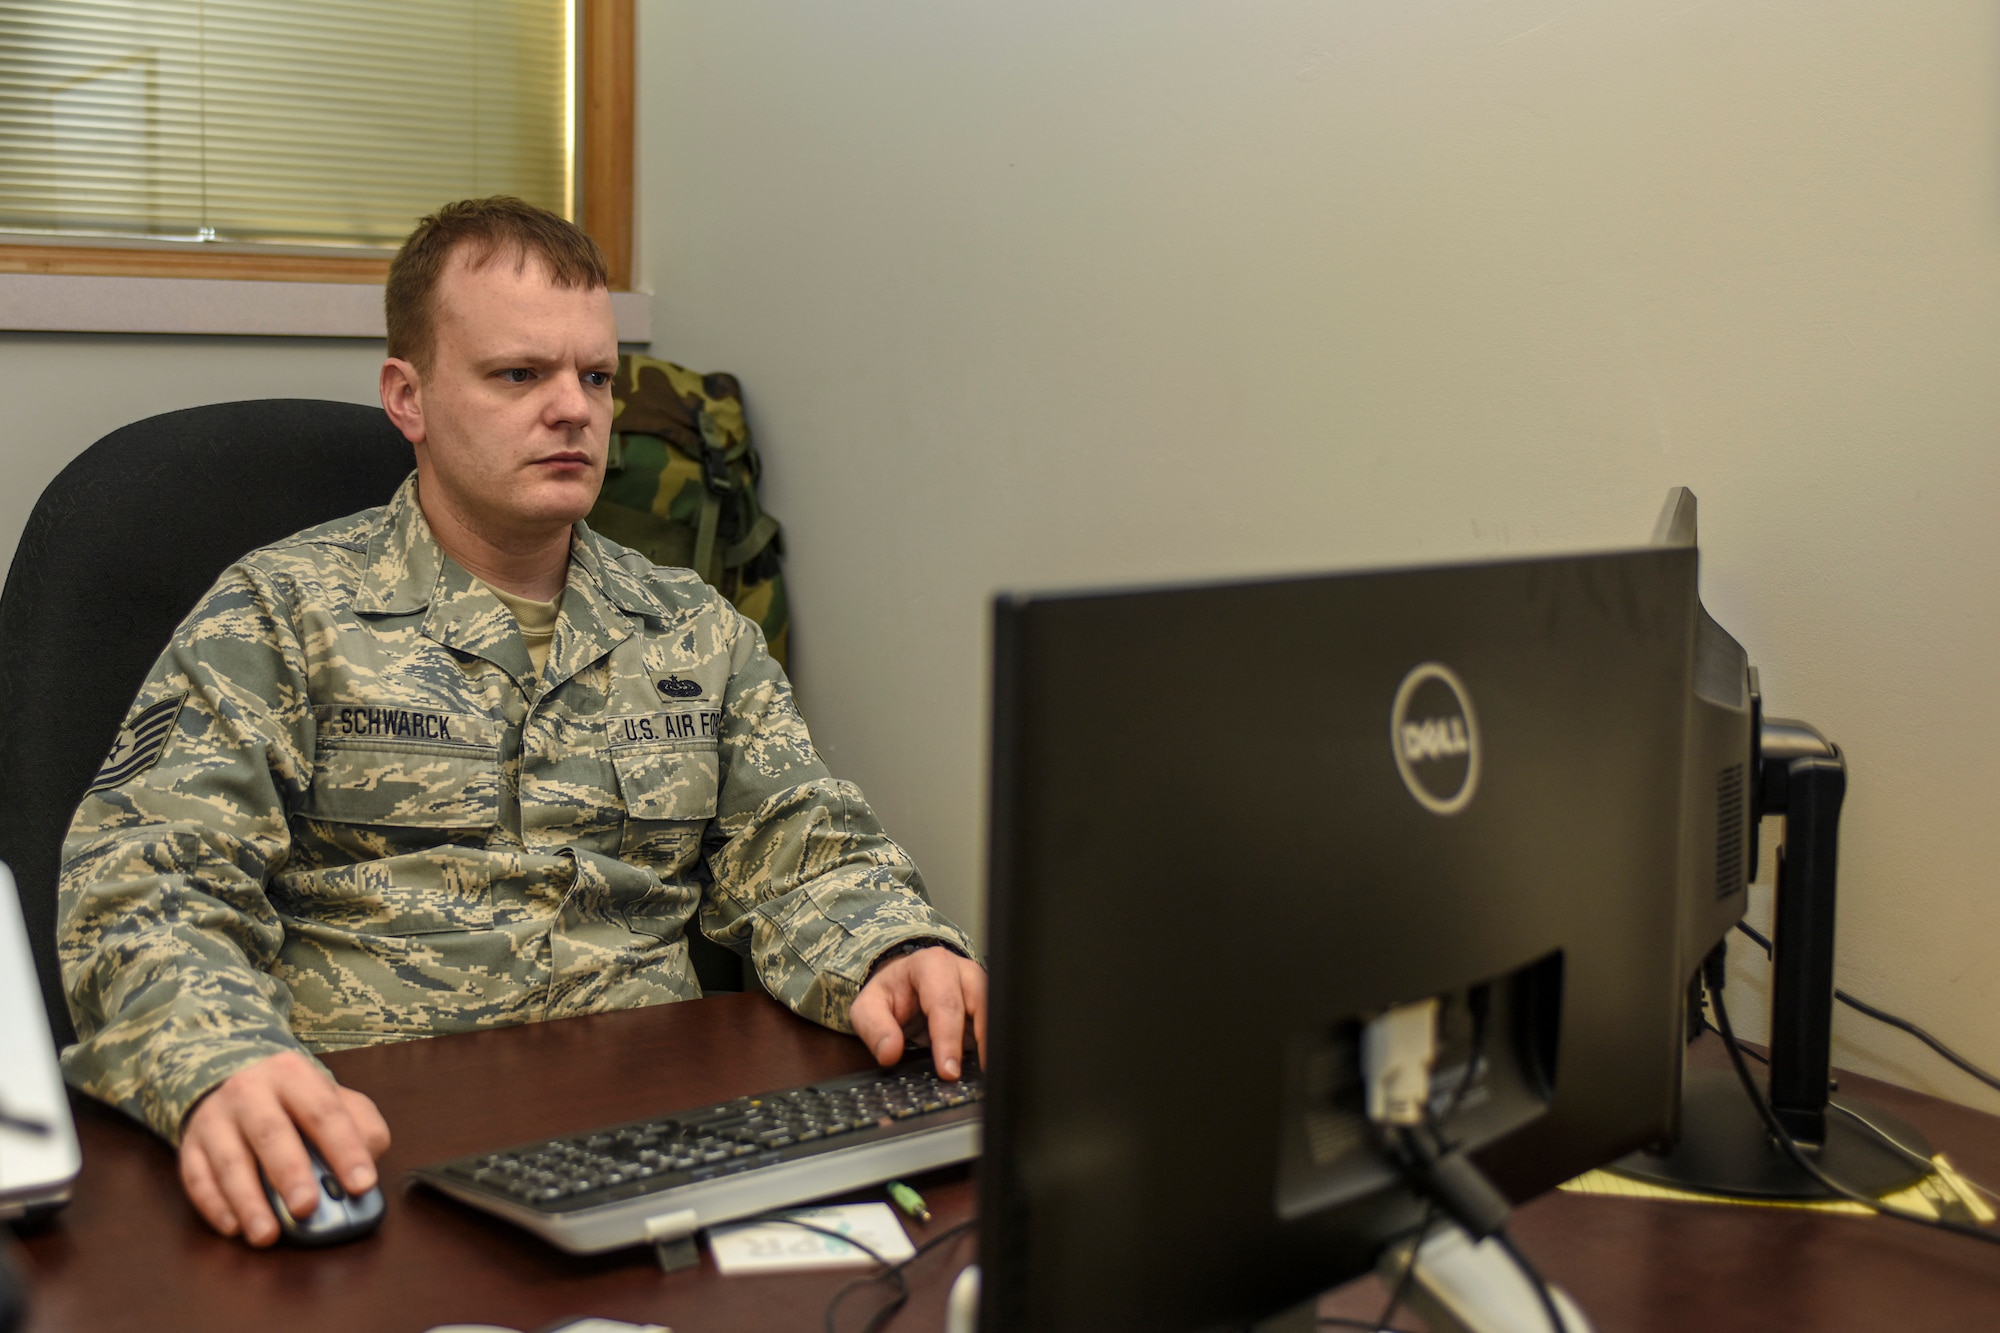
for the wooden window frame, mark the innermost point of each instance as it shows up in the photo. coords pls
(605, 34)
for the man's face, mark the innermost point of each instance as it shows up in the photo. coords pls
(514, 411)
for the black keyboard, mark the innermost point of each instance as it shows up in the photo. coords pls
(663, 1179)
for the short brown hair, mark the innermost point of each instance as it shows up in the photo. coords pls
(488, 227)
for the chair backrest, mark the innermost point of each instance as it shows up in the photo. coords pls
(117, 551)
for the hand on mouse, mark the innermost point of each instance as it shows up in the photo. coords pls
(253, 1118)
(933, 988)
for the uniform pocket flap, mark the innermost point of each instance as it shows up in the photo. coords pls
(663, 783)
(404, 787)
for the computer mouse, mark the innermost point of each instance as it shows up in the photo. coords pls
(340, 1216)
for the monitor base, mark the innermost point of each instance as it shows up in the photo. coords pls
(1724, 1149)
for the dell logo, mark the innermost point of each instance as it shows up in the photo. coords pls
(1435, 738)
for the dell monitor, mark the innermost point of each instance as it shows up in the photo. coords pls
(1232, 825)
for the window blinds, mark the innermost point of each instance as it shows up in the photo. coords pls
(338, 122)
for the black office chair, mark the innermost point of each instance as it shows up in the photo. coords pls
(117, 551)
(119, 548)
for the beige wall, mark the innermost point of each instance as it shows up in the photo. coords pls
(1049, 293)
(62, 392)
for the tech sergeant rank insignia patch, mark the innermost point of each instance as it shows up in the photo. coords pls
(140, 742)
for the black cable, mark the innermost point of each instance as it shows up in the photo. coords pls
(1884, 1016)
(1535, 1280)
(1707, 1026)
(1911, 1154)
(889, 1269)
(833, 1232)
(876, 1320)
(1465, 1193)
(1449, 1180)
(1711, 976)
(1477, 1002)
(1401, 1290)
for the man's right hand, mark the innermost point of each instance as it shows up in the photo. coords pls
(254, 1117)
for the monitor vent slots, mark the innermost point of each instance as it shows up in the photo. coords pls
(1730, 870)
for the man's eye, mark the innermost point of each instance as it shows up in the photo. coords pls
(597, 379)
(518, 375)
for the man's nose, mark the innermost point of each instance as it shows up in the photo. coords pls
(569, 404)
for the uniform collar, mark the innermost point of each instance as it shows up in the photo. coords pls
(620, 586)
(406, 572)
(403, 561)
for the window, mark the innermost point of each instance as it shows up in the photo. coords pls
(264, 138)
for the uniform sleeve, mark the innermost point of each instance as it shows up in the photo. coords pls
(163, 926)
(803, 875)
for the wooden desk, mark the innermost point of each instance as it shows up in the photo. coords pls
(129, 1253)
(1645, 1265)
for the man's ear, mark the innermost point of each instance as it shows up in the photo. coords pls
(402, 398)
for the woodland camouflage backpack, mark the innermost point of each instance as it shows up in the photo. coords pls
(680, 486)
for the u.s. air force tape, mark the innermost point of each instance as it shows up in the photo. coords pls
(683, 726)
(140, 742)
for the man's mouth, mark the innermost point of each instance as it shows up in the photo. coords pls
(571, 458)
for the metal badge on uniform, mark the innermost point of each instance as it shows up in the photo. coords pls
(673, 687)
(141, 741)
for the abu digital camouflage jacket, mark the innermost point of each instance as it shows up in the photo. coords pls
(344, 809)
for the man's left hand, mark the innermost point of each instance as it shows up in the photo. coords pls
(932, 987)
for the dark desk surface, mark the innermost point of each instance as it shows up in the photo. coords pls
(128, 1253)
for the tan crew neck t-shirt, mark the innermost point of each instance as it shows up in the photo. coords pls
(538, 624)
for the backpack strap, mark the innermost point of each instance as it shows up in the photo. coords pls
(760, 535)
(717, 485)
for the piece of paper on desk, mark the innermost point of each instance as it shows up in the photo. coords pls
(1942, 1194)
(776, 1247)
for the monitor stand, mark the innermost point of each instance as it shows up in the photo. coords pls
(1724, 1148)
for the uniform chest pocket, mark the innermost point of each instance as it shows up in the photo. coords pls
(406, 786)
(670, 796)
(667, 783)
(392, 766)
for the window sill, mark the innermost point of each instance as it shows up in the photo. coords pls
(77, 303)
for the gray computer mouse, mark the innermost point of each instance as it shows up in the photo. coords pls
(340, 1216)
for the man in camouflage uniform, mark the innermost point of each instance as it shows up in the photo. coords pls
(457, 763)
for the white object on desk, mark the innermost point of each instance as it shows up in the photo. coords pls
(961, 1308)
(1459, 1285)
(37, 1165)
(575, 1325)
(776, 1247)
